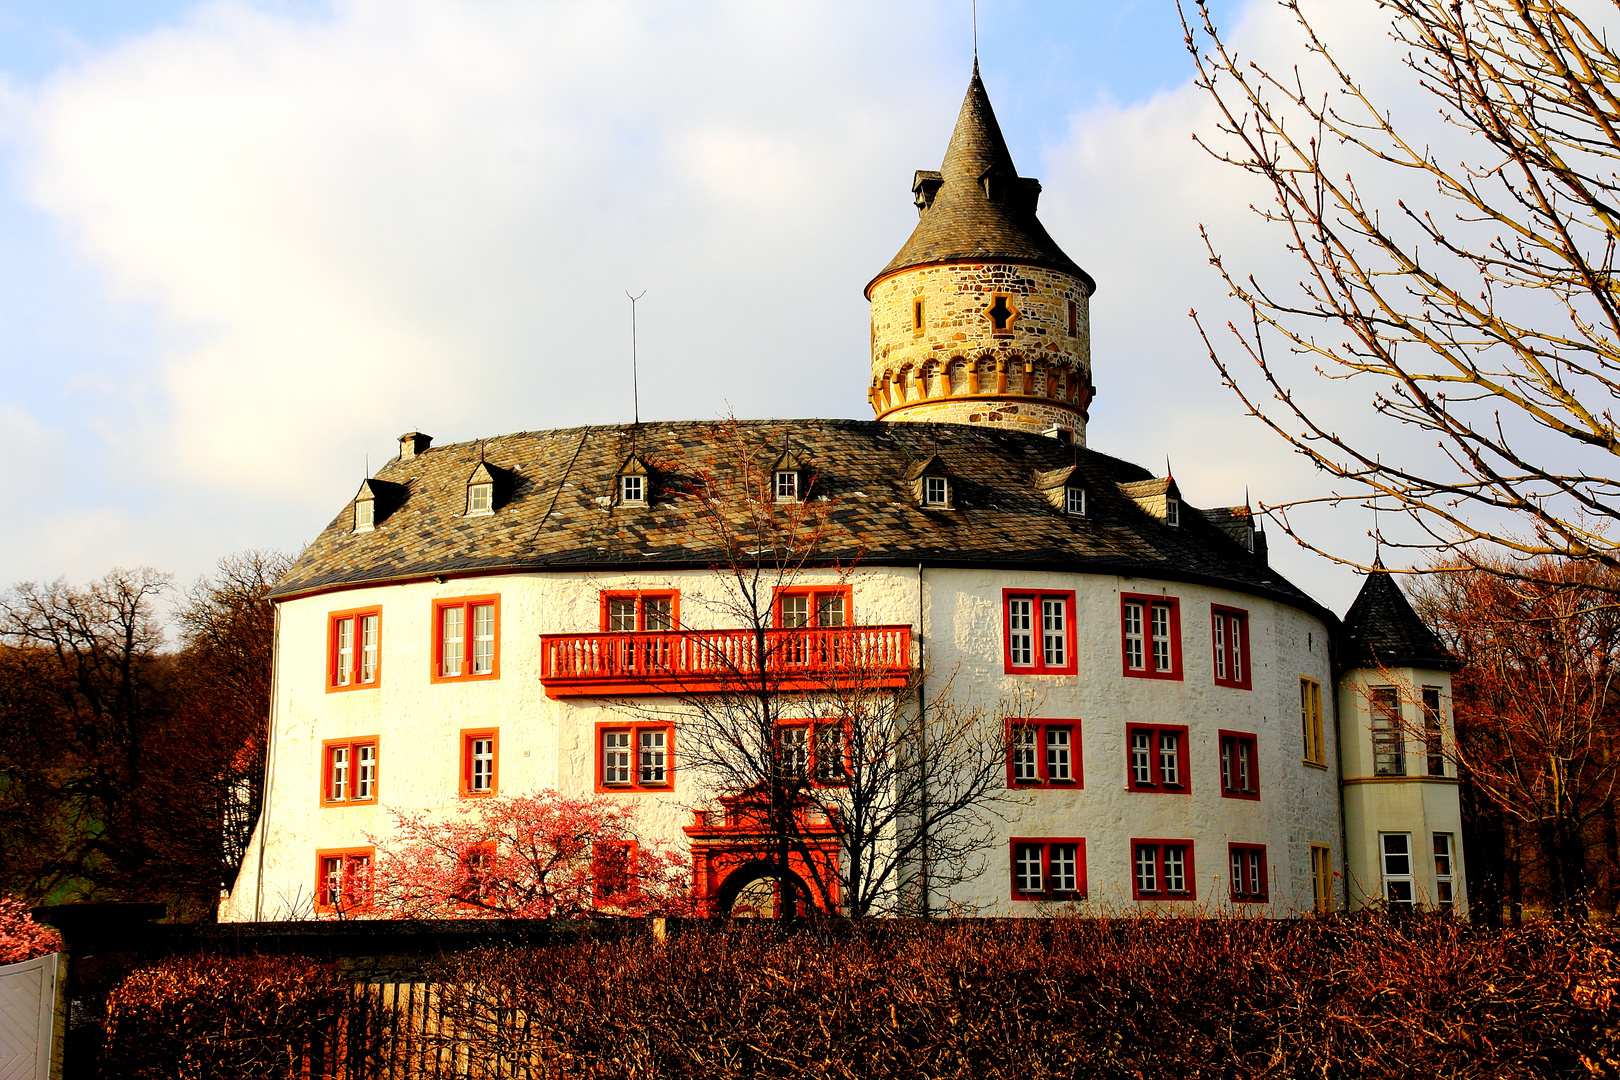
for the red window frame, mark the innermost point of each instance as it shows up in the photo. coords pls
(1250, 853)
(472, 889)
(1042, 779)
(625, 852)
(352, 745)
(640, 596)
(816, 593)
(1229, 742)
(1190, 876)
(350, 857)
(1183, 784)
(845, 763)
(1046, 843)
(333, 618)
(1222, 622)
(1148, 602)
(635, 730)
(1037, 664)
(468, 735)
(466, 603)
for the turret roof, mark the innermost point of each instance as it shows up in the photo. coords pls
(1381, 629)
(977, 206)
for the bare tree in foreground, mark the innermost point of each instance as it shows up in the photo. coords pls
(1488, 321)
(815, 723)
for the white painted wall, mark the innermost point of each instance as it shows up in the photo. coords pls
(549, 743)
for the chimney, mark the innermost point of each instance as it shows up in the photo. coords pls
(413, 443)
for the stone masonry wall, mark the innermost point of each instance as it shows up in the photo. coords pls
(956, 368)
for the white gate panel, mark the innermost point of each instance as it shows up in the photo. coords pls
(27, 1018)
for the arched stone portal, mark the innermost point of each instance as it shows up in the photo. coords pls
(754, 891)
(732, 850)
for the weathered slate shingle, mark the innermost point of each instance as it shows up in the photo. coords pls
(557, 512)
(1381, 628)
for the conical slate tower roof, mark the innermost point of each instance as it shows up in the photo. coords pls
(1382, 629)
(977, 206)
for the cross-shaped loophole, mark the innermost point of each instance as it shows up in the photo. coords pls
(1000, 314)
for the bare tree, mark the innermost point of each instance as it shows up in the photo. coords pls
(819, 727)
(1488, 320)
(1538, 735)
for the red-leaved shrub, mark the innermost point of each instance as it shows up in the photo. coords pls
(21, 938)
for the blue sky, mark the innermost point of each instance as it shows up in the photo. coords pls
(247, 244)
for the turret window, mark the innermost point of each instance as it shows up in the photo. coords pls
(1388, 739)
(1001, 314)
(1074, 319)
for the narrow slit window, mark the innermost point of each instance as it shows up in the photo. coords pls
(917, 314)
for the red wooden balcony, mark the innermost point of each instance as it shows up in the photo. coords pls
(706, 661)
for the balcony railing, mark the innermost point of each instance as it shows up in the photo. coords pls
(707, 661)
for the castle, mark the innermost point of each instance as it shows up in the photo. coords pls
(520, 614)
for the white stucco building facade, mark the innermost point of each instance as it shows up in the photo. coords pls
(1197, 733)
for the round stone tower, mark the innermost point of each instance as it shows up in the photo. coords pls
(981, 318)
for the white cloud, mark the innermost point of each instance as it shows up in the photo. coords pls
(418, 215)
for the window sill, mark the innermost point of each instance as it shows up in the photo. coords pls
(1314, 764)
(1241, 796)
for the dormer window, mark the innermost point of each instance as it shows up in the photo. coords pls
(633, 490)
(786, 484)
(365, 515)
(1074, 501)
(935, 492)
(1172, 511)
(480, 499)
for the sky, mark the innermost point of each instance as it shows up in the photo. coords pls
(244, 245)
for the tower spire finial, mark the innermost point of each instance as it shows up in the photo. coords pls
(975, 37)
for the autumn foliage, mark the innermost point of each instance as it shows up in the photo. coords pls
(21, 938)
(1346, 997)
(532, 856)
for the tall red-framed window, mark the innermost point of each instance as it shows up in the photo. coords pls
(1229, 637)
(350, 771)
(635, 757)
(1163, 870)
(466, 639)
(353, 649)
(613, 873)
(1037, 632)
(627, 611)
(480, 762)
(1240, 765)
(1247, 863)
(1150, 634)
(1048, 867)
(813, 605)
(817, 753)
(1044, 754)
(343, 879)
(1156, 758)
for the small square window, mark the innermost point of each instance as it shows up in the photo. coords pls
(1044, 754)
(935, 491)
(365, 515)
(343, 880)
(480, 762)
(1074, 501)
(787, 486)
(633, 490)
(1158, 758)
(350, 771)
(1048, 868)
(635, 757)
(1162, 870)
(480, 498)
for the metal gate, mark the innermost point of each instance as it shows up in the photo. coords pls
(28, 1018)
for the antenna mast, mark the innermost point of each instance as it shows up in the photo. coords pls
(635, 379)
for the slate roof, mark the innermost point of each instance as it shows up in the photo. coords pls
(963, 222)
(1382, 629)
(558, 512)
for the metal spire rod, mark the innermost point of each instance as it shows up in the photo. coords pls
(635, 379)
(975, 33)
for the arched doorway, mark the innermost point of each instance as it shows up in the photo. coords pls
(754, 891)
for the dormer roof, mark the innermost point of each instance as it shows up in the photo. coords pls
(385, 496)
(1382, 630)
(932, 465)
(977, 206)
